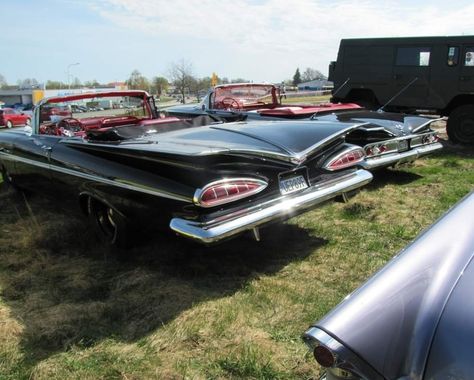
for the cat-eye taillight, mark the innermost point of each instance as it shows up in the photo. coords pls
(228, 190)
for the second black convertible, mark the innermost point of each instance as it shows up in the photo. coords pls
(122, 163)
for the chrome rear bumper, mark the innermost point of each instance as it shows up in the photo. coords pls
(399, 158)
(280, 208)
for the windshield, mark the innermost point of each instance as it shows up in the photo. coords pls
(246, 95)
(81, 115)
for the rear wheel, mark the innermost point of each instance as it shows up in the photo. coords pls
(9, 124)
(460, 127)
(108, 223)
(7, 180)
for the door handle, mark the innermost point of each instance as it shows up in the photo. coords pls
(47, 151)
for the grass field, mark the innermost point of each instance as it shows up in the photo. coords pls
(306, 99)
(68, 310)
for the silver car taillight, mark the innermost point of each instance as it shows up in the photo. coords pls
(228, 190)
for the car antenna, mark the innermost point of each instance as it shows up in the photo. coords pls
(397, 94)
(313, 116)
(341, 86)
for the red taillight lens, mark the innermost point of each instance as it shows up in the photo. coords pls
(228, 190)
(345, 159)
(429, 139)
(324, 356)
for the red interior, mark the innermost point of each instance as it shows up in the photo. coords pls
(295, 109)
(265, 99)
(100, 124)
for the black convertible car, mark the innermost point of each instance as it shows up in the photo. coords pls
(388, 139)
(124, 164)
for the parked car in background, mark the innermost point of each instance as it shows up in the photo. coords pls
(388, 139)
(130, 169)
(238, 101)
(414, 319)
(10, 118)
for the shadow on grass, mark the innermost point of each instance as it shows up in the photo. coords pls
(449, 148)
(390, 176)
(66, 290)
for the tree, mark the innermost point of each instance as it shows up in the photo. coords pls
(312, 74)
(181, 75)
(137, 81)
(76, 83)
(239, 80)
(159, 85)
(200, 85)
(3, 81)
(91, 83)
(55, 85)
(27, 83)
(297, 77)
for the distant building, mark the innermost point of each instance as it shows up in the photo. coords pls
(10, 97)
(33, 96)
(315, 85)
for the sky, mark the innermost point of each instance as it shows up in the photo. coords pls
(258, 40)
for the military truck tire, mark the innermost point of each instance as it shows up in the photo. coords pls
(460, 127)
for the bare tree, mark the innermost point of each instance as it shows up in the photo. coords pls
(181, 75)
(76, 83)
(27, 83)
(91, 83)
(312, 74)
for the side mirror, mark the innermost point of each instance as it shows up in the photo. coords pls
(28, 130)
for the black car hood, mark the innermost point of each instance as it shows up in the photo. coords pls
(290, 140)
(395, 124)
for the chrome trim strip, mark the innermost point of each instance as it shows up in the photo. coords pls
(113, 182)
(282, 207)
(421, 126)
(399, 158)
(345, 356)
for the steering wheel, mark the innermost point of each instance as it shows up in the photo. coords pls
(70, 124)
(230, 103)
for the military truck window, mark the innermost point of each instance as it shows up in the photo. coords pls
(453, 54)
(469, 57)
(413, 56)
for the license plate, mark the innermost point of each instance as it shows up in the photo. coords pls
(292, 184)
(402, 145)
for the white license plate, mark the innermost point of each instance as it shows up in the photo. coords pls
(402, 145)
(290, 185)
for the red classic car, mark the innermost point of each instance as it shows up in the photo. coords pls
(10, 117)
